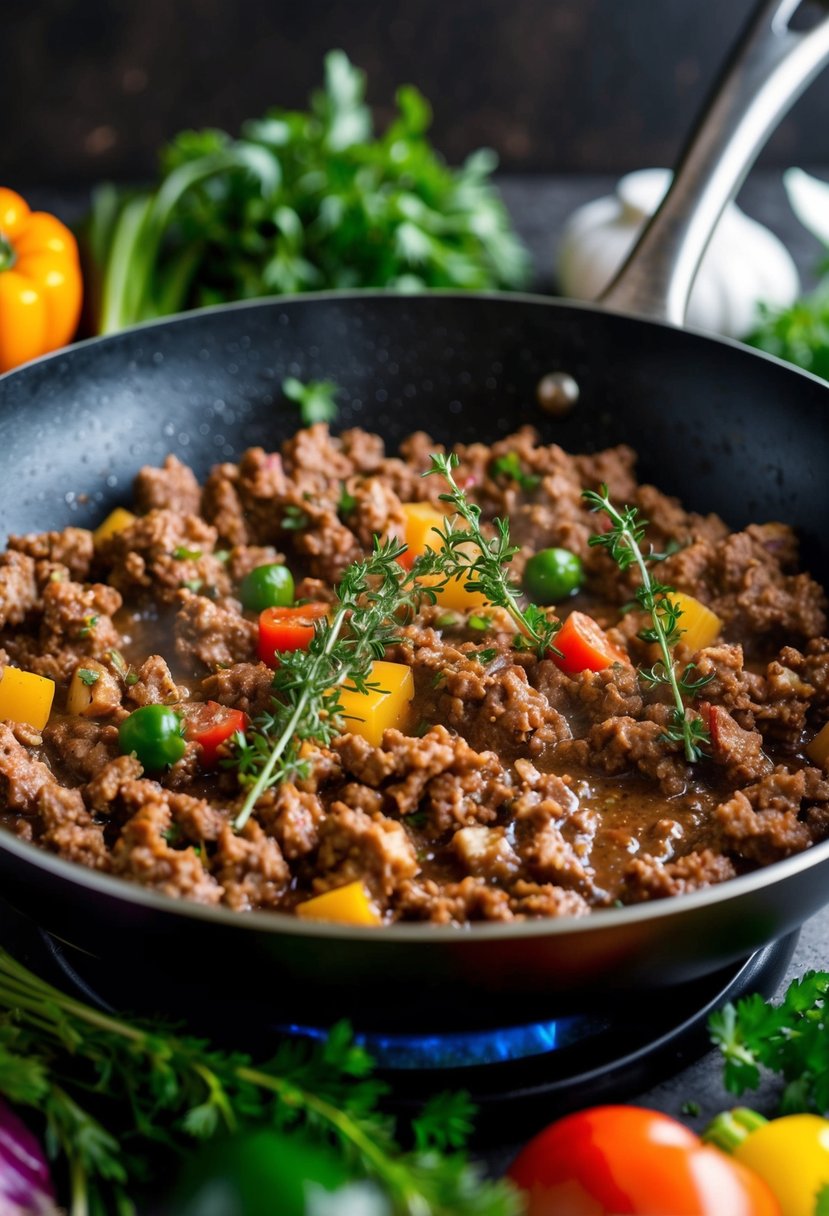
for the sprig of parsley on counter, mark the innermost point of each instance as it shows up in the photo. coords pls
(155, 1090)
(303, 200)
(788, 1039)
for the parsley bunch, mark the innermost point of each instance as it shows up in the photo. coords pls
(303, 200)
(622, 541)
(481, 562)
(117, 1095)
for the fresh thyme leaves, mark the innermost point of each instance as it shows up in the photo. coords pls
(316, 399)
(622, 541)
(484, 569)
(372, 597)
(88, 677)
(156, 1091)
(788, 1039)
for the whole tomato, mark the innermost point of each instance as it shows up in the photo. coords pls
(627, 1161)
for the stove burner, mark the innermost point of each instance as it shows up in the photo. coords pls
(535, 1070)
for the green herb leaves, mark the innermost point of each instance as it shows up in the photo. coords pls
(481, 562)
(372, 598)
(316, 399)
(788, 1039)
(303, 200)
(622, 541)
(156, 1091)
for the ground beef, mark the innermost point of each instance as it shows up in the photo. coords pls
(173, 487)
(514, 790)
(210, 635)
(18, 587)
(165, 551)
(72, 550)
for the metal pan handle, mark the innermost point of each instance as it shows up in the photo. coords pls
(768, 70)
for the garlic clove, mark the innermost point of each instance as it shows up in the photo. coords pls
(745, 263)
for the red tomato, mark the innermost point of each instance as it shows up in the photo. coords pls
(287, 629)
(585, 646)
(626, 1161)
(210, 725)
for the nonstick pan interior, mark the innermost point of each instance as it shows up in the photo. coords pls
(725, 429)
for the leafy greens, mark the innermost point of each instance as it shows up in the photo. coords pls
(116, 1094)
(304, 200)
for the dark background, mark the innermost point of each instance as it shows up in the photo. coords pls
(90, 89)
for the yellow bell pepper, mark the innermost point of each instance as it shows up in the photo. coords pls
(421, 521)
(25, 697)
(791, 1153)
(115, 522)
(455, 596)
(818, 748)
(370, 713)
(348, 905)
(700, 626)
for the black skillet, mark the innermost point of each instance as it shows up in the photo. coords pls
(726, 429)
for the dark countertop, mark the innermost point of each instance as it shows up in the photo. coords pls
(539, 206)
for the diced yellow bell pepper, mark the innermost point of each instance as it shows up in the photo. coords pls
(115, 522)
(818, 749)
(421, 521)
(370, 713)
(25, 697)
(700, 626)
(455, 596)
(348, 905)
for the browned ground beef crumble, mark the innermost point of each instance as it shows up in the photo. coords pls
(526, 792)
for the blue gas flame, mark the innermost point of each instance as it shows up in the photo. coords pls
(463, 1049)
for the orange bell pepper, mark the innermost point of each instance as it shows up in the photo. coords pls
(40, 282)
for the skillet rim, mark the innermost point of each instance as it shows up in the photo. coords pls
(281, 922)
(275, 922)
(381, 294)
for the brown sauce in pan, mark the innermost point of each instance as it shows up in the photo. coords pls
(513, 790)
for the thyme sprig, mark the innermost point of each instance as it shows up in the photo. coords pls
(158, 1091)
(481, 561)
(372, 598)
(622, 541)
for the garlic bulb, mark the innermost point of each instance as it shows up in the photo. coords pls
(744, 264)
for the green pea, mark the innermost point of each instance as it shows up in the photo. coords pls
(270, 586)
(552, 574)
(155, 734)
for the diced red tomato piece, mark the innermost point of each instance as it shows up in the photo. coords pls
(287, 629)
(210, 725)
(585, 646)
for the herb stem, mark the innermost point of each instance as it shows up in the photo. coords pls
(263, 780)
(487, 571)
(384, 1167)
(623, 543)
